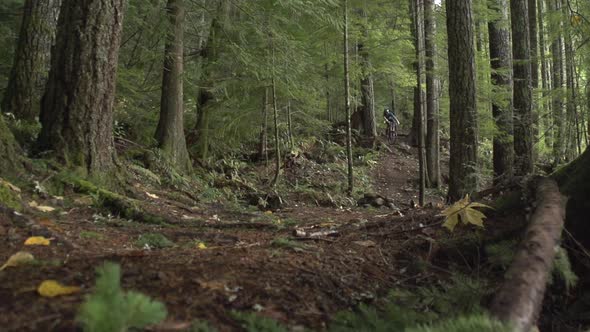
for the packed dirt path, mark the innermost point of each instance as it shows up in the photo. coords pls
(222, 260)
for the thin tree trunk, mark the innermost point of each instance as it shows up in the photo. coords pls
(557, 88)
(534, 63)
(31, 61)
(170, 131)
(77, 107)
(463, 173)
(263, 144)
(347, 103)
(290, 126)
(418, 14)
(501, 63)
(432, 92)
(523, 132)
(546, 105)
(275, 110)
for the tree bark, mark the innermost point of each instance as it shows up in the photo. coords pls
(419, 95)
(523, 132)
(463, 171)
(366, 82)
(534, 56)
(520, 298)
(501, 63)
(545, 78)
(170, 130)
(9, 151)
(347, 103)
(77, 107)
(432, 92)
(263, 143)
(557, 88)
(31, 61)
(275, 112)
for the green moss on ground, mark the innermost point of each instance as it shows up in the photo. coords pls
(9, 198)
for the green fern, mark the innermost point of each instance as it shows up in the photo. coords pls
(562, 269)
(109, 308)
(251, 322)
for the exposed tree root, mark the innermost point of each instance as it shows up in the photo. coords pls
(519, 300)
(118, 204)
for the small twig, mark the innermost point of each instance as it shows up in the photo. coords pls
(576, 242)
(308, 238)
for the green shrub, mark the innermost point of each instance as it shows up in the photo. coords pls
(154, 240)
(109, 308)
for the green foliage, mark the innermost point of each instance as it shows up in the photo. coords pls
(252, 322)
(480, 323)
(562, 269)
(501, 254)
(287, 243)
(153, 240)
(109, 308)
(455, 298)
(9, 198)
(202, 326)
(91, 235)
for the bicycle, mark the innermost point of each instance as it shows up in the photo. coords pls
(390, 132)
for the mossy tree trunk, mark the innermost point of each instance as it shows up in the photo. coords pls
(522, 91)
(9, 156)
(77, 108)
(31, 60)
(534, 54)
(463, 172)
(501, 63)
(170, 131)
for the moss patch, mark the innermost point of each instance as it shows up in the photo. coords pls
(9, 198)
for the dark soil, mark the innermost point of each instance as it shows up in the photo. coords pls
(252, 259)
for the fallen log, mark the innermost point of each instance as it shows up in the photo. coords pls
(519, 300)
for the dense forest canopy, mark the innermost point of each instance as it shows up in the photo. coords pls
(179, 115)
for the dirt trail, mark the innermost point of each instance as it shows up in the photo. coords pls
(252, 261)
(396, 176)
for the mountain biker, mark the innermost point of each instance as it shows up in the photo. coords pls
(390, 117)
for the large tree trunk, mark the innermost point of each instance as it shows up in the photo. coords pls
(367, 92)
(31, 60)
(77, 108)
(463, 102)
(432, 92)
(571, 114)
(170, 131)
(557, 88)
(520, 298)
(501, 63)
(523, 132)
(199, 137)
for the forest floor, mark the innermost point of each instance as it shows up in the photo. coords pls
(219, 260)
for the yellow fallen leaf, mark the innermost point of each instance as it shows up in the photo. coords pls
(41, 208)
(268, 212)
(154, 196)
(20, 258)
(37, 241)
(52, 288)
(201, 246)
(10, 186)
